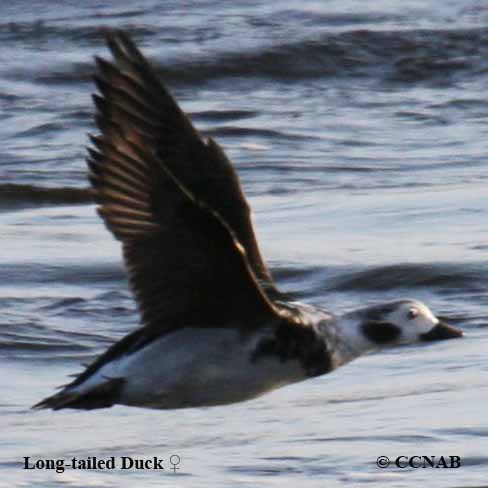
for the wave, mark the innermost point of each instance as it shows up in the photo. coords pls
(12, 195)
(222, 115)
(40, 30)
(27, 338)
(410, 55)
(443, 277)
(69, 274)
(256, 132)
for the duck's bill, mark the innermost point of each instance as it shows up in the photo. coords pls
(442, 331)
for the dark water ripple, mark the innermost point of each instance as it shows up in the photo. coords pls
(399, 56)
(222, 115)
(43, 31)
(408, 55)
(21, 195)
(265, 133)
(33, 340)
(14, 274)
(63, 331)
(438, 276)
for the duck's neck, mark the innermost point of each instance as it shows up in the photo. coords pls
(350, 340)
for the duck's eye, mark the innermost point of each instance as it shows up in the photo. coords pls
(413, 313)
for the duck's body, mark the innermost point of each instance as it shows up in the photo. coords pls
(204, 366)
(215, 328)
(196, 367)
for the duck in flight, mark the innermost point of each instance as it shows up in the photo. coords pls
(215, 329)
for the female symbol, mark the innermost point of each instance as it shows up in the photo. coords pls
(174, 460)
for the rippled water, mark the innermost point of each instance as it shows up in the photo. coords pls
(360, 133)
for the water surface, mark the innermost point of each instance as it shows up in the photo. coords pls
(359, 130)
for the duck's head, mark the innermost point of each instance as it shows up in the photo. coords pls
(394, 323)
(403, 322)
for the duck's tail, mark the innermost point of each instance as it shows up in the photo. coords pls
(103, 395)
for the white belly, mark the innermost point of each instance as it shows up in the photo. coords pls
(196, 367)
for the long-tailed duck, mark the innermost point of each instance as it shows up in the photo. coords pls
(215, 328)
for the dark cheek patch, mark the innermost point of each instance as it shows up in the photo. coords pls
(380, 332)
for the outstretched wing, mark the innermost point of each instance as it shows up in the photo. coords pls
(175, 202)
